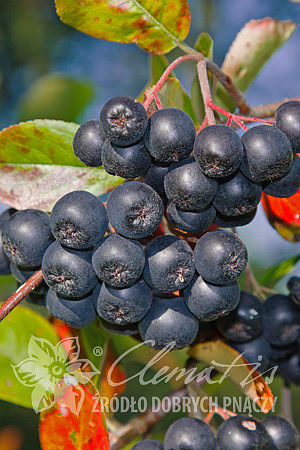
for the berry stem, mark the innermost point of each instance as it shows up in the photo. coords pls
(20, 294)
(203, 125)
(157, 101)
(269, 109)
(251, 280)
(286, 403)
(228, 115)
(164, 77)
(206, 94)
(224, 413)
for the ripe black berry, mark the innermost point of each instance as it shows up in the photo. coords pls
(135, 210)
(118, 261)
(218, 150)
(170, 135)
(168, 320)
(4, 260)
(234, 221)
(268, 154)
(155, 176)
(148, 444)
(237, 196)
(256, 351)
(242, 433)
(79, 220)
(287, 119)
(78, 313)
(220, 257)
(282, 433)
(192, 222)
(279, 353)
(124, 306)
(281, 320)
(123, 120)
(169, 265)
(69, 272)
(190, 433)
(288, 185)
(26, 236)
(188, 187)
(289, 368)
(22, 274)
(88, 143)
(126, 162)
(210, 302)
(245, 322)
(294, 288)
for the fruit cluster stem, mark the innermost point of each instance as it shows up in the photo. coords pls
(206, 94)
(20, 294)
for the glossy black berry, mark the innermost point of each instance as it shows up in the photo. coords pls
(218, 150)
(148, 444)
(257, 351)
(287, 119)
(126, 162)
(6, 215)
(155, 176)
(279, 353)
(237, 196)
(268, 154)
(79, 220)
(234, 221)
(242, 433)
(188, 187)
(294, 288)
(124, 306)
(4, 260)
(192, 222)
(220, 257)
(289, 368)
(77, 314)
(26, 236)
(284, 436)
(169, 265)
(288, 185)
(22, 274)
(210, 302)
(170, 135)
(134, 209)
(69, 272)
(88, 143)
(245, 322)
(123, 120)
(281, 320)
(118, 261)
(168, 321)
(130, 329)
(190, 433)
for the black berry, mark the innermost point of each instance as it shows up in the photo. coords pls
(170, 135)
(26, 236)
(88, 143)
(69, 272)
(123, 120)
(189, 433)
(287, 119)
(192, 222)
(118, 261)
(284, 436)
(288, 185)
(135, 210)
(234, 221)
(79, 220)
(148, 444)
(155, 176)
(169, 265)
(188, 187)
(218, 150)
(4, 260)
(289, 368)
(220, 257)
(256, 351)
(22, 274)
(294, 288)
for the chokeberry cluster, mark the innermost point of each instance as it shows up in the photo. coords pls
(212, 177)
(236, 433)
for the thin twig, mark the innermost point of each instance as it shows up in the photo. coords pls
(257, 288)
(286, 403)
(269, 109)
(21, 293)
(206, 94)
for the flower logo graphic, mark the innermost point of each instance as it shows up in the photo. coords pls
(55, 373)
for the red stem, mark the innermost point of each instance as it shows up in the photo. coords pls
(224, 413)
(163, 78)
(228, 114)
(157, 101)
(20, 294)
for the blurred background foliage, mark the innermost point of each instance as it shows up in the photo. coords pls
(50, 70)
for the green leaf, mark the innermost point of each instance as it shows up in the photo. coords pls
(172, 95)
(252, 48)
(55, 96)
(156, 26)
(38, 165)
(275, 273)
(205, 45)
(159, 63)
(16, 330)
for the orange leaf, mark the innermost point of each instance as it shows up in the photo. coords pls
(284, 215)
(75, 422)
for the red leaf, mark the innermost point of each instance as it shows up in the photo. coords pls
(75, 422)
(284, 215)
